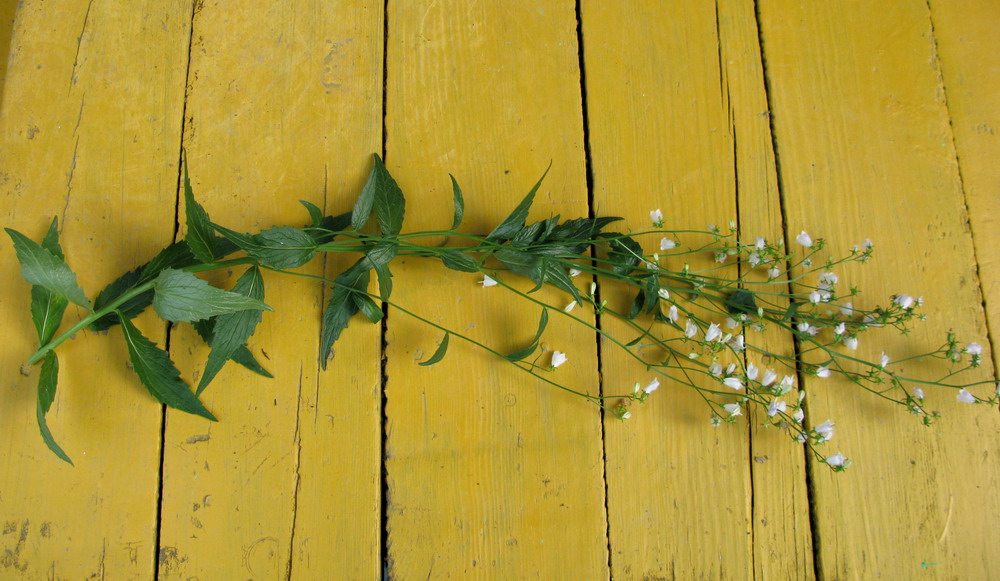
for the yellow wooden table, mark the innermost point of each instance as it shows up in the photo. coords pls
(851, 120)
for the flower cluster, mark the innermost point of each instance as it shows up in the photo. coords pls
(705, 324)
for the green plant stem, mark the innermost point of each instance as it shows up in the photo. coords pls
(596, 399)
(125, 297)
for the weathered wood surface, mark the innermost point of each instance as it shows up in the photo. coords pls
(850, 121)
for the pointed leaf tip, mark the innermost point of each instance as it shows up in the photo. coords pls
(157, 372)
(182, 296)
(42, 267)
(439, 352)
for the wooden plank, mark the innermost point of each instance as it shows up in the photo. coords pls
(964, 32)
(491, 473)
(8, 9)
(782, 539)
(865, 151)
(283, 104)
(661, 137)
(90, 132)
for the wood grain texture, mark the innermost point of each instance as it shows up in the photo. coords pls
(865, 150)
(8, 10)
(782, 539)
(89, 132)
(276, 97)
(491, 473)
(846, 119)
(970, 70)
(661, 137)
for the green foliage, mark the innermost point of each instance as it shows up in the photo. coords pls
(158, 374)
(40, 266)
(200, 237)
(231, 330)
(547, 252)
(514, 223)
(381, 194)
(342, 307)
(459, 203)
(47, 307)
(520, 354)
(741, 301)
(181, 296)
(242, 355)
(624, 253)
(438, 353)
(47, 379)
(458, 261)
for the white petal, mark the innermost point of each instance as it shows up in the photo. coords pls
(558, 358)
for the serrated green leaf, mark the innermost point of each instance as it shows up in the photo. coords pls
(381, 193)
(48, 377)
(341, 308)
(47, 307)
(130, 308)
(200, 237)
(47, 310)
(637, 305)
(624, 253)
(367, 307)
(314, 212)
(382, 252)
(459, 261)
(741, 301)
(242, 356)
(157, 372)
(377, 258)
(176, 255)
(515, 221)
(522, 353)
(283, 247)
(244, 242)
(459, 208)
(439, 352)
(540, 269)
(277, 247)
(51, 240)
(231, 331)
(558, 276)
(329, 225)
(527, 235)
(182, 296)
(647, 299)
(42, 267)
(581, 228)
(384, 280)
